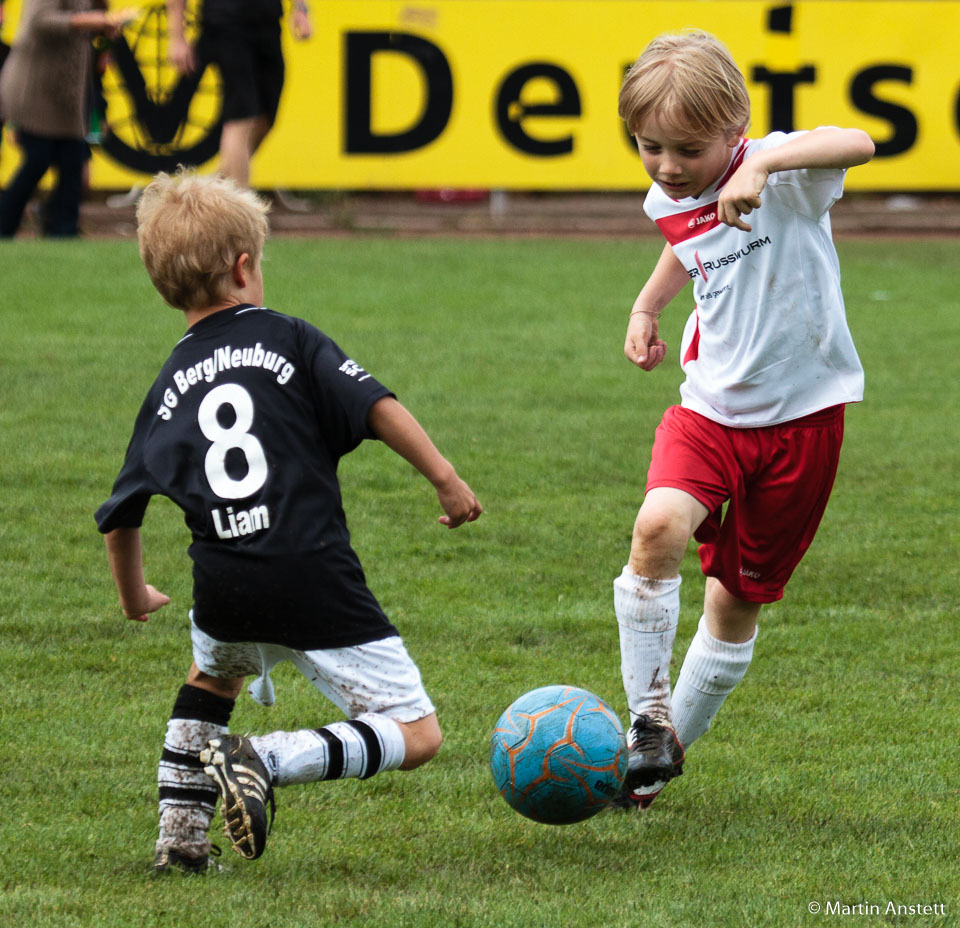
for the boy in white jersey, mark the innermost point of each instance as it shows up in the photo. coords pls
(769, 365)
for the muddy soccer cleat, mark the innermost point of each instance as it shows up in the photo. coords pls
(656, 757)
(245, 791)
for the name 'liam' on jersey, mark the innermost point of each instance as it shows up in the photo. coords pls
(768, 339)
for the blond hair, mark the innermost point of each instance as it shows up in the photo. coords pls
(690, 81)
(191, 229)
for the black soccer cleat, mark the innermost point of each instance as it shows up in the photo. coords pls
(169, 859)
(245, 790)
(656, 757)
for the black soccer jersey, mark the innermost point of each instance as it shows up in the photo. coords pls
(243, 429)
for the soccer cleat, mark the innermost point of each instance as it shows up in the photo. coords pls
(169, 859)
(628, 800)
(245, 788)
(656, 757)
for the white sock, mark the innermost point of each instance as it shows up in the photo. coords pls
(647, 612)
(361, 747)
(710, 671)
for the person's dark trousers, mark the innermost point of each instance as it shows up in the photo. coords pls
(62, 210)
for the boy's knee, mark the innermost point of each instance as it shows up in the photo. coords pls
(660, 534)
(656, 526)
(227, 687)
(666, 520)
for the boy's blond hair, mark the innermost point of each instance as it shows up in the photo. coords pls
(191, 229)
(690, 81)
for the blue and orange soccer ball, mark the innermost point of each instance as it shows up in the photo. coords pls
(558, 755)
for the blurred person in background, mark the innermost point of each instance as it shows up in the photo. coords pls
(4, 51)
(242, 38)
(4, 48)
(43, 94)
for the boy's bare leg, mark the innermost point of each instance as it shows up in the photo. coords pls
(665, 523)
(728, 617)
(227, 687)
(422, 740)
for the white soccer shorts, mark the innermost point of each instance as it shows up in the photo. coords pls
(376, 677)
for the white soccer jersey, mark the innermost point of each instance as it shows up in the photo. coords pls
(768, 340)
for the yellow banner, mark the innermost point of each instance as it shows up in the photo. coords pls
(522, 94)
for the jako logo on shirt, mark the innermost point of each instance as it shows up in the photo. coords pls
(686, 225)
(700, 220)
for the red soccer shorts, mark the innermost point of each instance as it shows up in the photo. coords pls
(775, 480)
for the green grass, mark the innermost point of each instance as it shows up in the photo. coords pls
(831, 774)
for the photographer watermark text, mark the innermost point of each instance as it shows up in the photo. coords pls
(836, 907)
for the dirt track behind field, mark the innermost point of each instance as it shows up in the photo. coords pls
(527, 214)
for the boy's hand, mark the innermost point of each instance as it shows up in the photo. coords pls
(151, 600)
(741, 195)
(643, 345)
(826, 148)
(458, 502)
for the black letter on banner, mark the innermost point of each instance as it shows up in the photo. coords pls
(360, 49)
(782, 84)
(903, 121)
(780, 19)
(511, 112)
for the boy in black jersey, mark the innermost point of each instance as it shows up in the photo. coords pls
(243, 429)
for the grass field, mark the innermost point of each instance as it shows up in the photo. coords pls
(829, 778)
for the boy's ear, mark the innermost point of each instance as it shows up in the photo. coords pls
(241, 268)
(734, 136)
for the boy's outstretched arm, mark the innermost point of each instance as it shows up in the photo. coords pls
(398, 430)
(643, 345)
(821, 148)
(137, 598)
